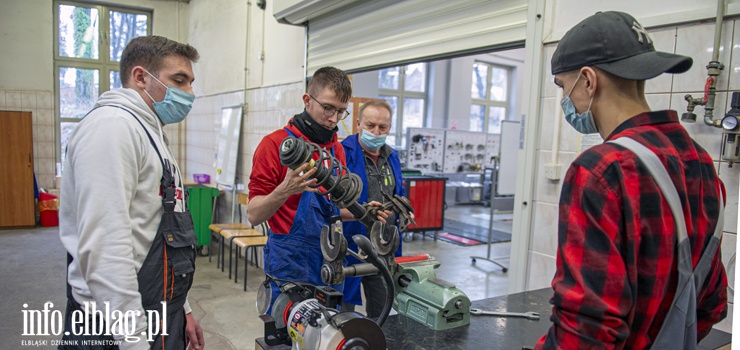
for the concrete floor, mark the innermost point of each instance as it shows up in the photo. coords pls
(34, 265)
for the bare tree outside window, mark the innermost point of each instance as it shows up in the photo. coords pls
(90, 40)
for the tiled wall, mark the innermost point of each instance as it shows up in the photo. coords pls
(41, 106)
(268, 109)
(665, 92)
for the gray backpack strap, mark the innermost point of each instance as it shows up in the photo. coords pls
(679, 327)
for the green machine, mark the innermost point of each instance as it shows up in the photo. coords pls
(423, 297)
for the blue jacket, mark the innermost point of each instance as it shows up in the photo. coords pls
(356, 165)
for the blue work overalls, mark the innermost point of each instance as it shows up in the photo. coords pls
(356, 165)
(296, 256)
(166, 274)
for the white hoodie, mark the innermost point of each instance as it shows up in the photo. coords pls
(110, 203)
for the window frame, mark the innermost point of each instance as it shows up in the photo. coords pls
(402, 94)
(488, 102)
(103, 63)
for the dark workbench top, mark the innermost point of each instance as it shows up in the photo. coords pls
(490, 332)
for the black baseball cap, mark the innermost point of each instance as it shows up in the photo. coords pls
(616, 43)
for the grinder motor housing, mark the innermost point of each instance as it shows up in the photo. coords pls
(423, 297)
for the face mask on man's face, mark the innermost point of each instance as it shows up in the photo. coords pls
(175, 106)
(583, 123)
(371, 141)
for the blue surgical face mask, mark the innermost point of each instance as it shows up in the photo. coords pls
(583, 123)
(175, 106)
(372, 142)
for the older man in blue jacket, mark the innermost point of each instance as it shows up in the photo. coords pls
(378, 166)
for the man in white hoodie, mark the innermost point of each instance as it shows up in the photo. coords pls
(123, 214)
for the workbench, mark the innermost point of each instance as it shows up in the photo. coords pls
(490, 332)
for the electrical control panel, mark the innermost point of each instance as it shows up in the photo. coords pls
(465, 151)
(425, 149)
(450, 151)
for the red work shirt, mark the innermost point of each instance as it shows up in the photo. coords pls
(616, 260)
(268, 173)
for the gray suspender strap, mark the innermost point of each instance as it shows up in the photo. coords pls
(679, 327)
(657, 170)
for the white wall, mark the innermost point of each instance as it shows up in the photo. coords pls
(234, 37)
(219, 33)
(564, 14)
(26, 38)
(27, 69)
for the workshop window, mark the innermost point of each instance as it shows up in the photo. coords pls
(405, 89)
(89, 41)
(490, 97)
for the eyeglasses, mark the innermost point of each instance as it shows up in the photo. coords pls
(330, 110)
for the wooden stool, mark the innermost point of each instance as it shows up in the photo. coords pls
(246, 243)
(243, 199)
(216, 229)
(231, 235)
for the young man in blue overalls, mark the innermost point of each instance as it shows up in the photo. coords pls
(284, 198)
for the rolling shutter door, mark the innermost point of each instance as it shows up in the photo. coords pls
(383, 33)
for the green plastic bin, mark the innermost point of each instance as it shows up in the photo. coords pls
(200, 203)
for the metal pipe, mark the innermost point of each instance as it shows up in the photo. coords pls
(718, 29)
(357, 270)
(713, 68)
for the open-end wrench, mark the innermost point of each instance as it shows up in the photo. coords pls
(529, 315)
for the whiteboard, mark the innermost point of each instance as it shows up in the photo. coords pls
(509, 149)
(228, 145)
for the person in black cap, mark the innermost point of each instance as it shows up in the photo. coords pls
(617, 260)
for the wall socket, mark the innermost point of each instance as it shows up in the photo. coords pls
(552, 171)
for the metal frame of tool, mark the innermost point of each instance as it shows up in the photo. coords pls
(493, 190)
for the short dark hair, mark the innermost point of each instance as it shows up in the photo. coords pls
(330, 77)
(149, 52)
(376, 104)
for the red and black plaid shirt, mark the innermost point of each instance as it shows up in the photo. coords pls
(616, 268)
